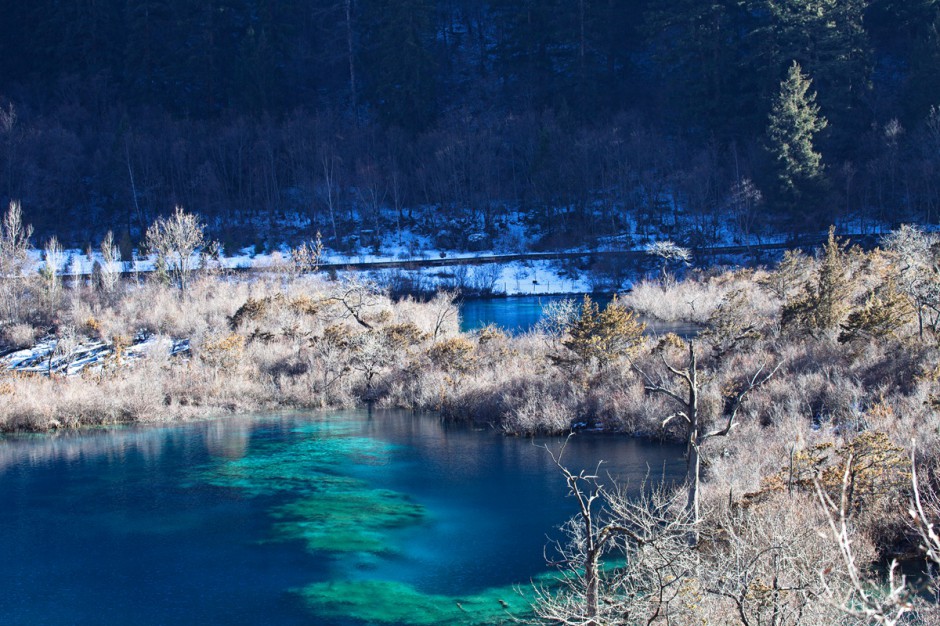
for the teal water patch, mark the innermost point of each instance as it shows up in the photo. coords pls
(351, 519)
(297, 466)
(387, 602)
(332, 512)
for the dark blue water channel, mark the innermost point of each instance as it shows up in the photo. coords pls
(341, 518)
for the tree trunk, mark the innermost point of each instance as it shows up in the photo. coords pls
(353, 99)
(693, 455)
(693, 502)
(591, 584)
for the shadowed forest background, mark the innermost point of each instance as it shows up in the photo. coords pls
(586, 118)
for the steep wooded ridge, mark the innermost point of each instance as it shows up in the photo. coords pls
(273, 120)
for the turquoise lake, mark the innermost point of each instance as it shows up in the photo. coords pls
(516, 314)
(520, 314)
(345, 518)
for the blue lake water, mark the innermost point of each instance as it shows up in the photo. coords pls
(516, 314)
(520, 314)
(340, 518)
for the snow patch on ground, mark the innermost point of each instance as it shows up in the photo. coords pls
(52, 356)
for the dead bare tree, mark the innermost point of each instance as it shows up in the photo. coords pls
(887, 606)
(648, 531)
(688, 376)
(354, 298)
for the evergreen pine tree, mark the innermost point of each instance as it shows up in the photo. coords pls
(400, 65)
(923, 84)
(150, 56)
(528, 44)
(829, 40)
(794, 122)
(704, 61)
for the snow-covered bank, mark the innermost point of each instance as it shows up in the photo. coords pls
(69, 357)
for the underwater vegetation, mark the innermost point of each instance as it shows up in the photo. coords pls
(328, 511)
(347, 518)
(332, 512)
(388, 602)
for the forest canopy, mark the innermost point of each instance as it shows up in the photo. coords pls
(577, 113)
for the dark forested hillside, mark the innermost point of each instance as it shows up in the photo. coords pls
(274, 119)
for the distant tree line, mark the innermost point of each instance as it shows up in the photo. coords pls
(592, 117)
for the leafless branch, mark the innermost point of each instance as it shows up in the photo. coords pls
(886, 609)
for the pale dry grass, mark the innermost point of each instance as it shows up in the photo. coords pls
(302, 346)
(19, 335)
(697, 298)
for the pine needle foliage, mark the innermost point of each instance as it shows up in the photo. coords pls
(885, 312)
(826, 298)
(795, 121)
(604, 336)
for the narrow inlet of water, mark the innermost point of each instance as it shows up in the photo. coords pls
(520, 314)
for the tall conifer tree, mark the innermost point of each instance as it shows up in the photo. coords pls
(400, 64)
(828, 39)
(794, 123)
(703, 58)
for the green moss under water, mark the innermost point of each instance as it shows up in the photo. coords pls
(347, 520)
(386, 602)
(331, 512)
(340, 514)
(297, 466)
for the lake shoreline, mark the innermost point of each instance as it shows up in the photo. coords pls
(791, 376)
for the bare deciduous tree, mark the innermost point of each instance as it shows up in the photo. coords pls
(687, 399)
(744, 200)
(886, 606)
(14, 258)
(111, 266)
(764, 562)
(929, 535)
(304, 259)
(60, 359)
(914, 253)
(557, 318)
(925, 515)
(445, 312)
(647, 534)
(355, 298)
(175, 241)
(327, 360)
(669, 253)
(49, 273)
(372, 351)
